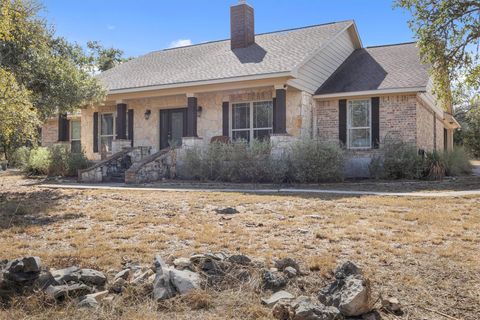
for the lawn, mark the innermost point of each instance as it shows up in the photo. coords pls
(424, 251)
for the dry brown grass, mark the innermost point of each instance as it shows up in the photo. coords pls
(422, 250)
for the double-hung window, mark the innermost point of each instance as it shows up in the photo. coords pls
(359, 124)
(107, 131)
(75, 136)
(252, 120)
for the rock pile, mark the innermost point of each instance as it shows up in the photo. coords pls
(348, 295)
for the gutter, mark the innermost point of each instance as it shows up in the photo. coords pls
(370, 92)
(202, 82)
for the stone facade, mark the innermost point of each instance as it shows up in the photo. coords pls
(147, 131)
(153, 168)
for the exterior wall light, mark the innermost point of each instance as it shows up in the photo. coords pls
(147, 114)
(199, 111)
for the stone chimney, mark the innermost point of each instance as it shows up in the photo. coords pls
(242, 25)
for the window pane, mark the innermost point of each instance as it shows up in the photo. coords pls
(107, 124)
(359, 138)
(76, 146)
(241, 116)
(359, 113)
(106, 142)
(76, 128)
(241, 135)
(262, 134)
(262, 114)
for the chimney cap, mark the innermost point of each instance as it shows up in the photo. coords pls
(241, 2)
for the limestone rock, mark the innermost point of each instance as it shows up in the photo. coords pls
(32, 264)
(63, 291)
(118, 285)
(94, 277)
(162, 287)
(239, 259)
(392, 304)
(184, 280)
(305, 310)
(273, 280)
(124, 274)
(182, 263)
(273, 299)
(142, 277)
(347, 269)
(227, 210)
(66, 275)
(290, 272)
(88, 302)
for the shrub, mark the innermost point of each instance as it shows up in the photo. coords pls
(401, 161)
(38, 161)
(236, 162)
(19, 158)
(59, 156)
(457, 162)
(316, 161)
(434, 166)
(77, 161)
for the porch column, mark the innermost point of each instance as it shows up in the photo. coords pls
(280, 111)
(191, 115)
(121, 121)
(63, 128)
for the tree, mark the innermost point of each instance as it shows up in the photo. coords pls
(54, 71)
(448, 33)
(18, 118)
(105, 58)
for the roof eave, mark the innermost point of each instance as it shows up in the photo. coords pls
(201, 83)
(370, 92)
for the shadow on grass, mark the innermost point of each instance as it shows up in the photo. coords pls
(23, 209)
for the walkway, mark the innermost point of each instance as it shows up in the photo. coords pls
(122, 187)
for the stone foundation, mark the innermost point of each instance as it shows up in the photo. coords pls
(156, 167)
(119, 145)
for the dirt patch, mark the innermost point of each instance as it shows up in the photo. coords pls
(424, 251)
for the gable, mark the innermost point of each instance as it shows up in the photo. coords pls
(314, 72)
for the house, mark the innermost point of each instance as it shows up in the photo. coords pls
(312, 82)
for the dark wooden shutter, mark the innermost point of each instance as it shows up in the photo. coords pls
(375, 122)
(121, 121)
(63, 127)
(95, 132)
(225, 114)
(342, 121)
(274, 112)
(130, 125)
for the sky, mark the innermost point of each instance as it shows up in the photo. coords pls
(141, 26)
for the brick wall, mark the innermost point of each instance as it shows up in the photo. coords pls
(425, 127)
(50, 132)
(439, 136)
(397, 118)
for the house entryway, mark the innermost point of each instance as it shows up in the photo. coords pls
(173, 126)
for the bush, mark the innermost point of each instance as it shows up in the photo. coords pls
(233, 162)
(77, 161)
(19, 158)
(401, 161)
(59, 156)
(316, 161)
(38, 161)
(457, 162)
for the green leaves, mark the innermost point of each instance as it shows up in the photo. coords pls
(448, 33)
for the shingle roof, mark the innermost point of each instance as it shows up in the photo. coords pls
(382, 67)
(272, 53)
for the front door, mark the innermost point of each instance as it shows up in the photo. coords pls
(173, 126)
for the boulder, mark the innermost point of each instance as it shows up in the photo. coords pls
(273, 280)
(62, 291)
(142, 277)
(162, 287)
(306, 310)
(350, 292)
(273, 299)
(184, 280)
(32, 264)
(66, 275)
(286, 262)
(93, 277)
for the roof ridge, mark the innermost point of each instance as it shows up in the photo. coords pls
(391, 44)
(257, 34)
